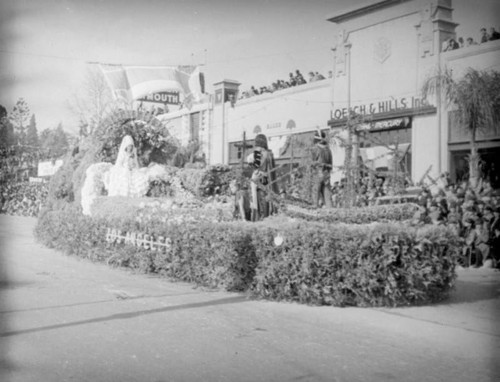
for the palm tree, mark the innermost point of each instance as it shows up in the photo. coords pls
(476, 97)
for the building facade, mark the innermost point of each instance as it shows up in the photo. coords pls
(383, 53)
(486, 57)
(297, 111)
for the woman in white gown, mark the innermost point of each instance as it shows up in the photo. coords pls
(125, 177)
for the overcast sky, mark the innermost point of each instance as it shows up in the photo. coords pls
(45, 44)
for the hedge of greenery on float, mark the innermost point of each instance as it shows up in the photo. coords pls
(358, 215)
(146, 211)
(385, 264)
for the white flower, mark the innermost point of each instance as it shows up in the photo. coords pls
(278, 240)
(167, 204)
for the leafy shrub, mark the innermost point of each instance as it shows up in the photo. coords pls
(316, 263)
(375, 265)
(150, 211)
(221, 257)
(211, 180)
(355, 215)
(68, 230)
(194, 179)
(23, 198)
(60, 189)
(160, 188)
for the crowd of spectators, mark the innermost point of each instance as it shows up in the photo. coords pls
(18, 167)
(18, 164)
(23, 198)
(452, 44)
(19, 196)
(474, 214)
(294, 79)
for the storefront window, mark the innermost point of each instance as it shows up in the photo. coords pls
(377, 150)
(489, 166)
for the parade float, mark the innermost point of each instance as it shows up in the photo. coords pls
(127, 198)
(348, 255)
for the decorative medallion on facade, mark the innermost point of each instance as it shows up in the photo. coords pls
(382, 50)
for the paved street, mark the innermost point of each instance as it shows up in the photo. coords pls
(66, 319)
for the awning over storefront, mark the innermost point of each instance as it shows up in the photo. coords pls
(402, 115)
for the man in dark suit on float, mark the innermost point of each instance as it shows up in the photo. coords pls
(321, 167)
(263, 183)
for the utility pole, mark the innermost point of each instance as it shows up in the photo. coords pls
(352, 138)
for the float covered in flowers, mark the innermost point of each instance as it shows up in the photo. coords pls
(116, 204)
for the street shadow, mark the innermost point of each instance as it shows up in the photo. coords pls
(94, 302)
(5, 365)
(470, 291)
(126, 316)
(9, 284)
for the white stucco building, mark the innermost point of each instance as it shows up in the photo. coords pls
(382, 54)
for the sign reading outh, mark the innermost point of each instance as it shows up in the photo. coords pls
(171, 98)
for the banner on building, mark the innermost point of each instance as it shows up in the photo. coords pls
(170, 98)
(134, 83)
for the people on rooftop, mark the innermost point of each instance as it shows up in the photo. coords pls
(485, 37)
(299, 78)
(450, 44)
(319, 76)
(293, 80)
(494, 35)
(470, 41)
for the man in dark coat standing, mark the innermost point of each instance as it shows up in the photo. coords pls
(321, 167)
(263, 180)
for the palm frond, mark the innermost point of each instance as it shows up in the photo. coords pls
(476, 96)
(475, 100)
(440, 84)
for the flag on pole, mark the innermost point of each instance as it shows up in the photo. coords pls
(135, 82)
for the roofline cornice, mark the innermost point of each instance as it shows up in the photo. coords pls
(357, 12)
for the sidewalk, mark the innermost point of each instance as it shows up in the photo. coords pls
(474, 304)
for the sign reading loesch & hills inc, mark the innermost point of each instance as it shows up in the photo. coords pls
(171, 98)
(391, 105)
